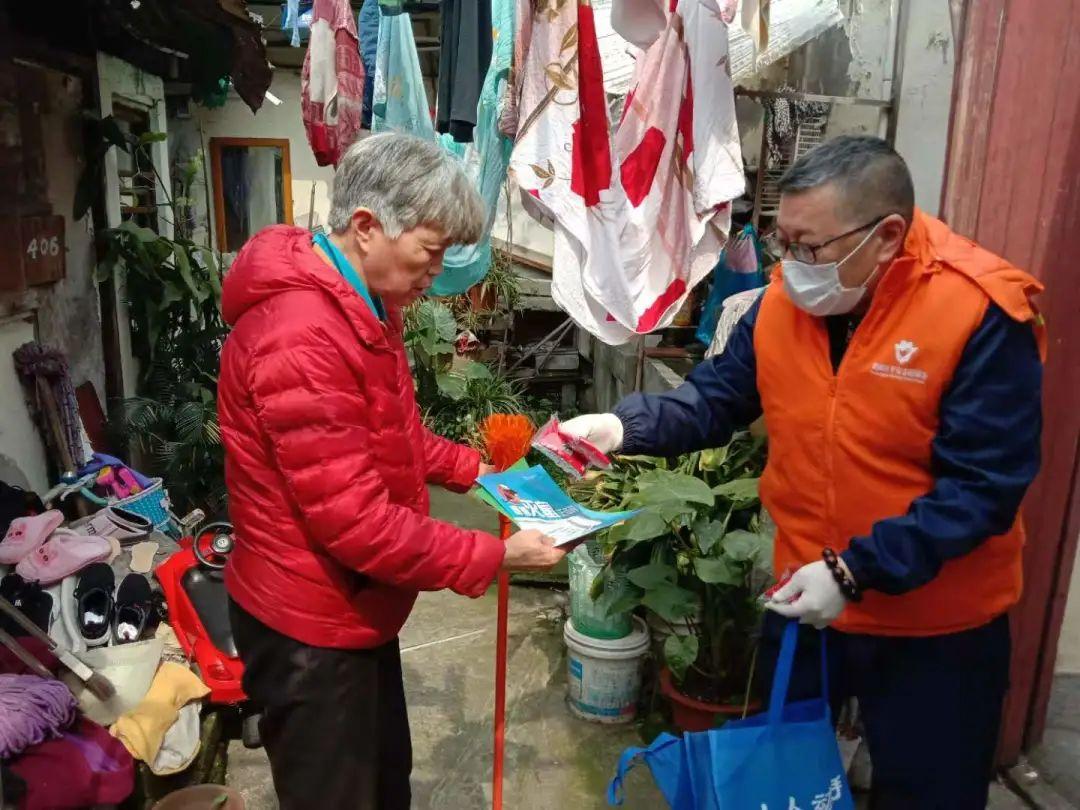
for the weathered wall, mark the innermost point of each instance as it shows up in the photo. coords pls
(70, 315)
(65, 314)
(922, 125)
(235, 120)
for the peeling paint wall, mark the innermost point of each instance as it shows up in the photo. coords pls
(922, 127)
(70, 314)
(66, 314)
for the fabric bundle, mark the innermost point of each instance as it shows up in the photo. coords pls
(332, 81)
(163, 730)
(639, 218)
(44, 374)
(739, 269)
(32, 709)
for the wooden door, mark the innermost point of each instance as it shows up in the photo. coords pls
(1013, 185)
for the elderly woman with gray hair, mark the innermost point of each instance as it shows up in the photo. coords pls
(327, 463)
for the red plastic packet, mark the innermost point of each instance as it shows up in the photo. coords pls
(780, 583)
(572, 454)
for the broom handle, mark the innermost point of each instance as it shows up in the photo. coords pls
(500, 676)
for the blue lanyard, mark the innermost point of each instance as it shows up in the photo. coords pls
(349, 274)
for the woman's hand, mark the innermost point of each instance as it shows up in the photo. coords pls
(530, 550)
(486, 469)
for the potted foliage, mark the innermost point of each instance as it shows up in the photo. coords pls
(696, 558)
(455, 394)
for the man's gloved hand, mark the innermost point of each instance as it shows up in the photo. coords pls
(812, 596)
(602, 430)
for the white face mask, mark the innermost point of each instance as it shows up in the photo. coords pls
(816, 288)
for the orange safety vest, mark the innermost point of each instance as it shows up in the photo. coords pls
(852, 448)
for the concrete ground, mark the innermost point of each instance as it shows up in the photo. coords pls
(1056, 759)
(448, 653)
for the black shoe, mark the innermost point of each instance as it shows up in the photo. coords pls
(94, 600)
(134, 600)
(28, 597)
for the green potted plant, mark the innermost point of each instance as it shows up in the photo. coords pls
(696, 559)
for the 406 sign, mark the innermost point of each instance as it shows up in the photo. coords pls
(42, 249)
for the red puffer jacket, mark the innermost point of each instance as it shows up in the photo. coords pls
(326, 458)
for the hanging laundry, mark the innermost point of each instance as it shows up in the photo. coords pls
(508, 114)
(400, 103)
(292, 21)
(485, 159)
(367, 27)
(783, 118)
(466, 45)
(738, 270)
(790, 25)
(332, 81)
(642, 216)
(754, 20)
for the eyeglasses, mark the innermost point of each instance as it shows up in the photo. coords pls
(808, 253)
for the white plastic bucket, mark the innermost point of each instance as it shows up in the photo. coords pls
(604, 675)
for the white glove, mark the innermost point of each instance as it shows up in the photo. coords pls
(602, 430)
(811, 596)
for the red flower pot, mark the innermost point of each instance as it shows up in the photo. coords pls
(698, 715)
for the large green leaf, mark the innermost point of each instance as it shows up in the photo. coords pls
(617, 601)
(472, 370)
(183, 265)
(747, 546)
(708, 533)
(210, 264)
(664, 487)
(445, 325)
(653, 575)
(670, 602)
(741, 492)
(712, 459)
(679, 653)
(718, 571)
(144, 235)
(646, 526)
(451, 385)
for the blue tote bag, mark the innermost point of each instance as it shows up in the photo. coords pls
(784, 759)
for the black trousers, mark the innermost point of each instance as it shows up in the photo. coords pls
(334, 722)
(931, 707)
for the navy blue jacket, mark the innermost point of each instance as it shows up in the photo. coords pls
(984, 456)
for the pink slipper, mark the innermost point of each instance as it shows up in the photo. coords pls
(62, 555)
(26, 534)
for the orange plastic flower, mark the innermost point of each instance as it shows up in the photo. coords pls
(506, 438)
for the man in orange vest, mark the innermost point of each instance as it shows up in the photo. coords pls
(898, 367)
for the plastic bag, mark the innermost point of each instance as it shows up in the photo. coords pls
(786, 758)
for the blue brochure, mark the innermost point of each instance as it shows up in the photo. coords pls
(532, 500)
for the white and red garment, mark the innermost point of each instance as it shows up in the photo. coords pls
(639, 219)
(332, 81)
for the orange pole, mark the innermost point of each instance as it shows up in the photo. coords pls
(500, 677)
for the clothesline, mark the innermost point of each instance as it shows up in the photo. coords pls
(641, 206)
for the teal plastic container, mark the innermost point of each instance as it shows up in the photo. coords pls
(586, 615)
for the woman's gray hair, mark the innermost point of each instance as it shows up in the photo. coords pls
(406, 182)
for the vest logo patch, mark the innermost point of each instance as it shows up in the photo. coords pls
(905, 351)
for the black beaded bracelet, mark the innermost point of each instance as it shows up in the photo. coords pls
(847, 585)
